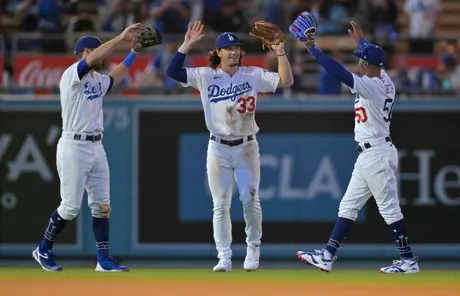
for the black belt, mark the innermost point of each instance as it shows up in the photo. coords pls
(367, 145)
(233, 142)
(92, 138)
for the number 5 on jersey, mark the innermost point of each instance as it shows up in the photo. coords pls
(246, 104)
(387, 109)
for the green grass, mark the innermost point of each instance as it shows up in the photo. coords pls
(307, 275)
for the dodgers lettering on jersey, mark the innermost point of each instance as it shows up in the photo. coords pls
(373, 106)
(81, 101)
(229, 103)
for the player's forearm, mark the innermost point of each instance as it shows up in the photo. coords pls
(120, 71)
(103, 51)
(184, 48)
(362, 43)
(176, 69)
(285, 71)
(332, 67)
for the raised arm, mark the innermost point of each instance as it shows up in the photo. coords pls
(304, 29)
(103, 51)
(284, 67)
(358, 35)
(141, 38)
(330, 65)
(176, 68)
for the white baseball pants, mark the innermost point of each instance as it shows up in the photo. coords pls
(224, 165)
(82, 165)
(374, 175)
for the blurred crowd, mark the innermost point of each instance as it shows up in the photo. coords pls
(387, 22)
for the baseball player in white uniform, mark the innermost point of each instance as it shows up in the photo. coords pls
(229, 97)
(375, 168)
(81, 159)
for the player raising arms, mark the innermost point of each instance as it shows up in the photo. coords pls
(229, 97)
(81, 159)
(375, 167)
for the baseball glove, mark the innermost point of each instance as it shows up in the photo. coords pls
(304, 27)
(268, 33)
(146, 37)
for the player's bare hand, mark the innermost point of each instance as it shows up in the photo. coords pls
(357, 33)
(131, 32)
(194, 33)
(279, 48)
(310, 42)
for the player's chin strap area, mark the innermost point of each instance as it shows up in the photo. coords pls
(232, 142)
(366, 145)
(82, 137)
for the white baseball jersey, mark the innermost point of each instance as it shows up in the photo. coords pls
(373, 106)
(229, 103)
(81, 100)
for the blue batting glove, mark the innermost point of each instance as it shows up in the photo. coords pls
(304, 26)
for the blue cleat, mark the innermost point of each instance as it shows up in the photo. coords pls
(109, 264)
(46, 260)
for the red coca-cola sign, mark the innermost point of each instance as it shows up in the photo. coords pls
(38, 70)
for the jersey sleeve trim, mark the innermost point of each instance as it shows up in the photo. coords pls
(110, 84)
(82, 69)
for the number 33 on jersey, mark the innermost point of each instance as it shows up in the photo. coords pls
(373, 106)
(229, 102)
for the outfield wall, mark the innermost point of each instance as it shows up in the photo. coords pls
(160, 199)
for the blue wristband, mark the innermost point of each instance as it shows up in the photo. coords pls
(315, 51)
(363, 42)
(129, 60)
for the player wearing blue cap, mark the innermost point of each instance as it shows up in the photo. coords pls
(81, 159)
(229, 96)
(374, 173)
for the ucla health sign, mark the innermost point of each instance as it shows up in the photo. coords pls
(303, 176)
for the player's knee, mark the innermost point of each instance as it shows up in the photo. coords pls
(347, 211)
(68, 212)
(391, 215)
(249, 197)
(221, 205)
(102, 211)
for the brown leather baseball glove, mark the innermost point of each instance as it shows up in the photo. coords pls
(268, 33)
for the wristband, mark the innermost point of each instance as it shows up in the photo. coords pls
(129, 60)
(280, 55)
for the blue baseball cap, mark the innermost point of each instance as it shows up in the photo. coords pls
(373, 54)
(87, 42)
(227, 39)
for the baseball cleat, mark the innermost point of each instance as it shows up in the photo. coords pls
(402, 266)
(224, 265)
(109, 264)
(251, 262)
(46, 260)
(320, 259)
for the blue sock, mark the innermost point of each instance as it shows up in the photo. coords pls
(341, 228)
(55, 226)
(398, 230)
(101, 233)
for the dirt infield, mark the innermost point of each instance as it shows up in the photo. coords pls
(135, 287)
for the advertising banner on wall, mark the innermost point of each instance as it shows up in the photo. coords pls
(29, 183)
(39, 70)
(306, 163)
